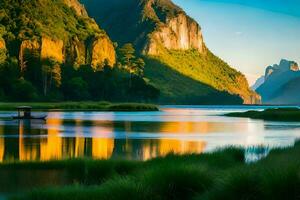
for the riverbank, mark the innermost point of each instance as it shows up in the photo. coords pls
(274, 114)
(219, 175)
(81, 106)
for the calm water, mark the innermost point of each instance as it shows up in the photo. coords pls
(139, 135)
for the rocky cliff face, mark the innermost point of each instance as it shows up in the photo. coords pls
(163, 32)
(2, 50)
(100, 51)
(77, 6)
(176, 33)
(64, 35)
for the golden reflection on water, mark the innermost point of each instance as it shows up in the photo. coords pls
(101, 145)
(26, 153)
(51, 148)
(1, 144)
(102, 148)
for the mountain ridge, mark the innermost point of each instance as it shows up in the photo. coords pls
(277, 77)
(160, 29)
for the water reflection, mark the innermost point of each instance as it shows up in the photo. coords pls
(37, 141)
(138, 135)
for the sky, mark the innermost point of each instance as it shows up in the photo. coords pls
(249, 34)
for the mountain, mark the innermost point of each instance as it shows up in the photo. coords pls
(288, 93)
(60, 30)
(258, 83)
(177, 59)
(51, 50)
(278, 83)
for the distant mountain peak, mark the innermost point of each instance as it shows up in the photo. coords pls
(283, 66)
(274, 89)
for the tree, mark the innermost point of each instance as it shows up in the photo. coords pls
(126, 54)
(24, 91)
(51, 71)
(128, 60)
(9, 73)
(76, 89)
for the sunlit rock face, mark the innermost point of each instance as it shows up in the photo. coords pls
(102, 52)
(51, 48)
(2, 50)
(2, 44)
(177, 33)
(89, 46)
(77, 6)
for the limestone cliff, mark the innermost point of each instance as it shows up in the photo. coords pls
(177, 33)
(101, 51)
(2, 50)
(51, 48)
(2, 44)
(62, 31)
(77, 6)
(173, 43)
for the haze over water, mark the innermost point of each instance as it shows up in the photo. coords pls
(139, 135)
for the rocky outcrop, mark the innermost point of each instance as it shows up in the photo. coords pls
(102, 52)
(2, 44)
(78, 7)
(53, 49)
(177, 33)
(2, 50)
(77, 53)
(156, 27)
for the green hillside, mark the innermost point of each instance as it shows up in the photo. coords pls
(179, 83)
(183, 76)
(51, 50)
(31, 19)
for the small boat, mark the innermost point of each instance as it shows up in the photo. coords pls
(24, 112)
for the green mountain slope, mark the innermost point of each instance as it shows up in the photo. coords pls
(171, 41)
(53, 50)
(57, 29)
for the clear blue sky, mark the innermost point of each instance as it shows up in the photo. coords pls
(249, 34)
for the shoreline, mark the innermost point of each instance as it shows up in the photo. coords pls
(291, 114)
(81, 106)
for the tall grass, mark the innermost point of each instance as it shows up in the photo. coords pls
(219, 175)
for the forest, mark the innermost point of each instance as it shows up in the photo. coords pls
(48, 80)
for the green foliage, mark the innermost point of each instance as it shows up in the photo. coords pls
(29, 19)
(177, 85)
(76, 89)
(9, 74)
(24, 90)
(84, 105)
(205, 68)
(217, 175)
(129, 60)
(278, 114)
